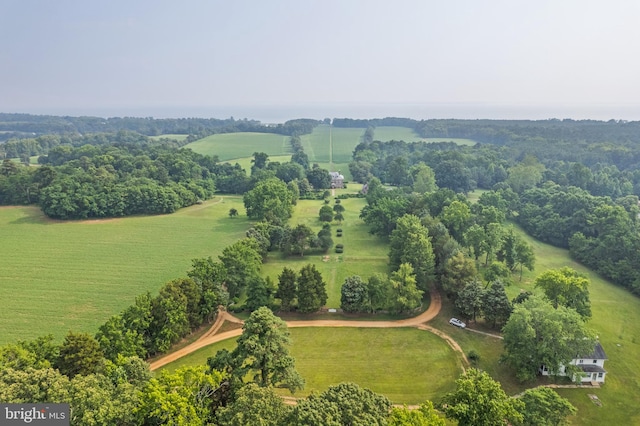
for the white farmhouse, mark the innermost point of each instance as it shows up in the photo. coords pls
(592, 366)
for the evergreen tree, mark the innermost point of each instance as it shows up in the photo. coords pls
(312, 293)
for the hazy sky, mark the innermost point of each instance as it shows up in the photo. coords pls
(65, 56)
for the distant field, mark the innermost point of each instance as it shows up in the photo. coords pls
(404, 364)
(238, 147)
(391, 133)
(56, 276)
(316, 145)
(229, 146)
(245, 162)
(388, 133)
(179, 138)
(364, 254)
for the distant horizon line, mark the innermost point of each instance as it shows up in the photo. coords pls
(279, 113)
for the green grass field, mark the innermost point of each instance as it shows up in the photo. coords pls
(230, 146)
(388, 133)
(56, 276)
(344, 140)
(363, 255)
(405, 364)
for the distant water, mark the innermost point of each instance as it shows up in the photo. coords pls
(282, 113)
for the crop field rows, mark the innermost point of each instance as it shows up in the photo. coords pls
(58, 276)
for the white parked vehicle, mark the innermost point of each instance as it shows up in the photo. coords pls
(457, 323)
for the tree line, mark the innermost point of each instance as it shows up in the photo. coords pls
(12, 125)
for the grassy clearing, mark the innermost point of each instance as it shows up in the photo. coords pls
(395, 133)
(229, 146)
(57, 276)
(179, 138)
(388, 133)
(363, 254)
(406, 365)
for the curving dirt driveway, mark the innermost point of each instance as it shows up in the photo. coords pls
(211, 337)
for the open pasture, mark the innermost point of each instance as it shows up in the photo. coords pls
(397, 133)
(58, 276)
(405, 364)
(328, 143)
(229, 146)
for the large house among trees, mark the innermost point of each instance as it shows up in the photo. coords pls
(337, 180)
(592, 366)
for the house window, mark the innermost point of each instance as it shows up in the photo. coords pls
(580, 362)
(595, 361)
(599, 375)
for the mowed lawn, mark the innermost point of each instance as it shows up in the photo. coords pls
(404, 364)
(364, 254)
(58, 276)
(229, 146)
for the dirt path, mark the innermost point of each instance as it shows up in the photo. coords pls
(211, 337)
(496, 336)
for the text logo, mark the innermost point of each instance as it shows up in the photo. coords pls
(34, 414)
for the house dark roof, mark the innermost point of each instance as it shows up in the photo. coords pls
(598, 353)
(592, 368)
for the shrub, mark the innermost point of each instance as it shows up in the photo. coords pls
(339, 248)
(473, 356)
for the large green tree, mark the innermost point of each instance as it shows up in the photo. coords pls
(80, 353)
(496, 307)
(312, 292)
(404, 293)
(242, 262)
(253, 405)
(262, 352)
(299, 239)
(211, 277)
(456, 217)
(458, 271)
(425, 415)
(544, 407)
(410, 243)
(270, 200)
(479, 400)
(566, 287)
(470, 300)
(180, 398)
(342, 404)
(287, 288)
(354, 296)
(536, 334)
